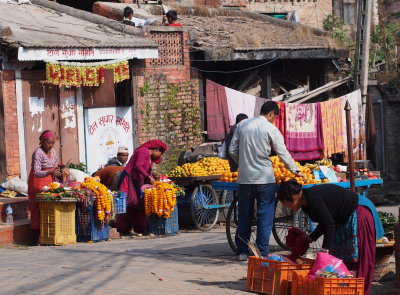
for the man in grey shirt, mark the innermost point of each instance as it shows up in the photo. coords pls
(251, 147)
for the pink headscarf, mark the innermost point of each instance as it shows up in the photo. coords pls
(47, 134)
(153, 144)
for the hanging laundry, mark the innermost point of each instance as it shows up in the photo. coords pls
(217, 111)
(370, 132)
(306, 156)
(357, 123)
(257, 107)
(281, 118)
(332, 127)
(303, 131)
(239, 102)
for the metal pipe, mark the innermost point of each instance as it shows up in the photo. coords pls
(350, 167)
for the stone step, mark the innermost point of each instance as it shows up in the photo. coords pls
(19, 233)
(19, 206)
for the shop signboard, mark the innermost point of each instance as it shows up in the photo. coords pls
(106, 129)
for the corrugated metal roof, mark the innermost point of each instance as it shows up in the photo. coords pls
(33, 26)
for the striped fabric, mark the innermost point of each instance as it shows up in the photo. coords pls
(41, 162)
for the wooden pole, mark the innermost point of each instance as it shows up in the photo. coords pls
(350, 167)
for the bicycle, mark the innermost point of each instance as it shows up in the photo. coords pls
(284, 219)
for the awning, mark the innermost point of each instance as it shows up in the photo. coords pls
(55, 54)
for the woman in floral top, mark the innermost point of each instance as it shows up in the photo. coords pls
(44, 164)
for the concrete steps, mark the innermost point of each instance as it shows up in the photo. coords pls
(20, 232)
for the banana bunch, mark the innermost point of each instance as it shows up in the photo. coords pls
(312, 166)
(324, 162)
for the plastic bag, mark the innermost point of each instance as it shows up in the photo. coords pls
(17, 185)
(328, 264)
(278, 257)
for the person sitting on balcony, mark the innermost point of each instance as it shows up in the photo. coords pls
(171, 19)
(130, 20)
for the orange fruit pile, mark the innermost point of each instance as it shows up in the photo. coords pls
(281, 173)
(204, 167)
(229, 176)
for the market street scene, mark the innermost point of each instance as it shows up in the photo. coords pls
(200, 147)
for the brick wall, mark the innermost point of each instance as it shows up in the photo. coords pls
(309, 12)
(9, 152)
(166, 99)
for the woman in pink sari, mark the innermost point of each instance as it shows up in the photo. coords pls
(137, 173)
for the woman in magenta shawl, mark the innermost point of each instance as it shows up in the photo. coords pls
(137, 173)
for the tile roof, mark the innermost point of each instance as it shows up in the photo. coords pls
(34, 26)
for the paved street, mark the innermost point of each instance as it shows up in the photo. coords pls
(189, 263)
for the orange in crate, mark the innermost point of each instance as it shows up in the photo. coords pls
(302, 285)
(272, 277)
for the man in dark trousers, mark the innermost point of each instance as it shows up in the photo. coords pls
(228, 139)
(251, 147)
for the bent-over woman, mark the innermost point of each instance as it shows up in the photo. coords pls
(137, 173)
(349, 222)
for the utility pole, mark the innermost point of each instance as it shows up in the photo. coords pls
(362, 47)
(362, 55)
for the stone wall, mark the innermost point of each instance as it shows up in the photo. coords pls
(308, 12)
(9, 147)
(167, 99)
(392, 135)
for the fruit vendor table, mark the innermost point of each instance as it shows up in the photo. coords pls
(362, 184)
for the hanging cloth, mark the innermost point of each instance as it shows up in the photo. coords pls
(217, 111)
(303, 132)
(357, 123)
(371, 131)
(239, 102)
(332, 127)
(280, 119)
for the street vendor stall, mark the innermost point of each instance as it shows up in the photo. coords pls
(77, 212)
(203, 200)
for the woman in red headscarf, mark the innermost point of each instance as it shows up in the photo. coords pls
(136, 173)
(43, 171)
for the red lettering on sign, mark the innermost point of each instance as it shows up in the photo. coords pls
(93, 128)
(125, 124)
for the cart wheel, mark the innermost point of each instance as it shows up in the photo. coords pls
(204, 218)
(232, 225)
(227, 198)
(284, 219)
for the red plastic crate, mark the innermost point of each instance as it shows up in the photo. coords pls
(272, 277)
(302, 285)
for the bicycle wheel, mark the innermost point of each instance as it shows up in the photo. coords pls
(232, 225)
(204, 218)
(302, 221)
(227, 198)
(283, 220)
